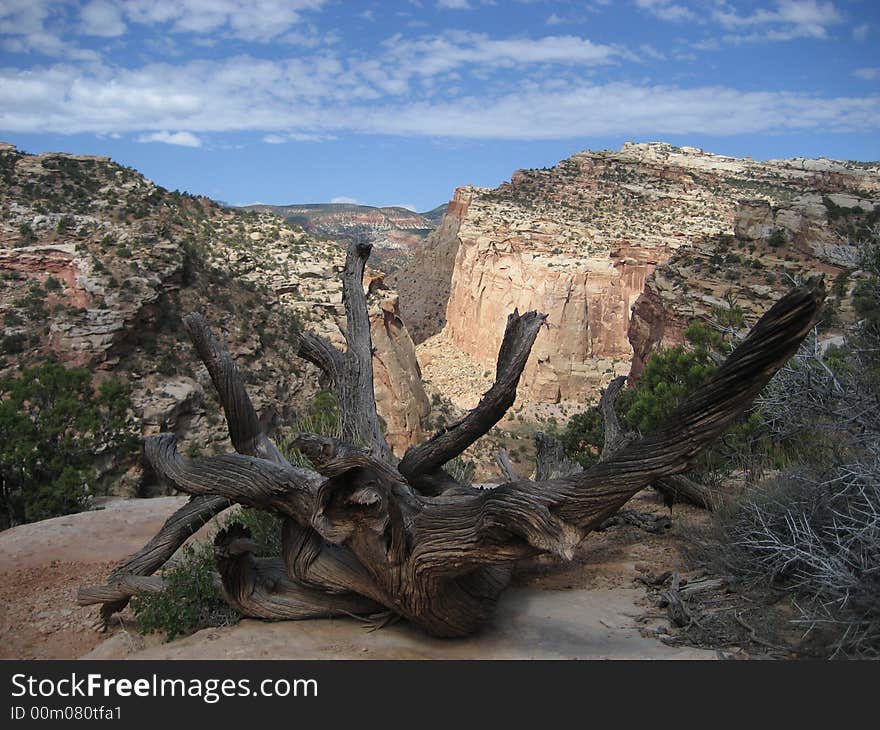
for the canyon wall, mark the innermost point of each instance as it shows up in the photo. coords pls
(771, 248)
(581, 241)
(588, 309)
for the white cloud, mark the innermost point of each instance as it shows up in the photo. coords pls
(789, 19)
(441, 54)
(344, 199)
(624, 108)
(868, 74)
(310, 137)
(860, 32)
(252, 20)
(297, 137)
(182, 139)
(102, 18)
(299, 101)
(24, 29)
(667, 10)
(454, 5)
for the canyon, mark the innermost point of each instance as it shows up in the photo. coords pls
(610, 245)
(622, 249)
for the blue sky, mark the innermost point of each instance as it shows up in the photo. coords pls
(396, 103)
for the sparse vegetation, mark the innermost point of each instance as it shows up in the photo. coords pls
(189, 599)
(52, 425)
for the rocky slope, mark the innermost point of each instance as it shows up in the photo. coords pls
(581, 241)
(393, 231)
(98, 265)
(771, 247)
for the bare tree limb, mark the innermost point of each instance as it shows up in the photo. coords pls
(245, 430)
(427, 458)
(261, 588)
(550, 459)
(506, 465)
(176, 530)
(614, 434)
(675, 488)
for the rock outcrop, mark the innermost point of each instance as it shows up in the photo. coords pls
(393, 231)
(400, 395)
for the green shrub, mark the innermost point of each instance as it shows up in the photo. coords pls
(323, 418)
(670, 376)
(52, 284)
(189, 600)
(777, 239)
(52, 425)
(265, 529)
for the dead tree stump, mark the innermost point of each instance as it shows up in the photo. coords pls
(365, 532)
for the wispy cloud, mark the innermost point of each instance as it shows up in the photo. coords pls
(102, 18)
(868, 74)
(443, 53)
(786, 20)
(781, 20)
(667, 10)
(181, 139)
(25, 28)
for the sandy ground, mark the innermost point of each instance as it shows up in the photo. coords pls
(43, 563)
(587, 609)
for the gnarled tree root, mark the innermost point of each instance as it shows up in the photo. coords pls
(364, 531)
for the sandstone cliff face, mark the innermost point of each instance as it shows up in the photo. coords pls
(588, 308)
(580, 240)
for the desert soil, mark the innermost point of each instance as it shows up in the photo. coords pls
(592, 607)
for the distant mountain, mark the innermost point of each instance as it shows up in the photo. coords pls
(435, 214)
(393, 231)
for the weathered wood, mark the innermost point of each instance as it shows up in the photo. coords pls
(679, 488)
(674, 488)
(550, 459)
(261, 587)
(647, 521)
(614, 434)
(506, 465)
(364, 532)
(177, 529)
(426, 459)
(245, 429)
(249, 440)
(352, 371)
